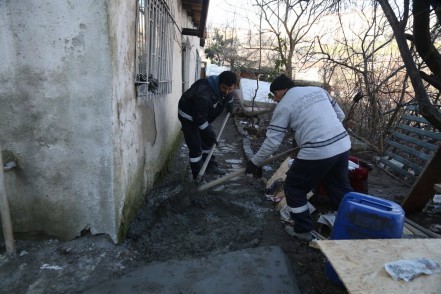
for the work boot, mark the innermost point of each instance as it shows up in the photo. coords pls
(213, 169)
(307, 236)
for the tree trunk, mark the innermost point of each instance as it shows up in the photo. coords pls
(427, 110)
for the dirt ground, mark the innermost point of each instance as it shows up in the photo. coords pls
(173, 224)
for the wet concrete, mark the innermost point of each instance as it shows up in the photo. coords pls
(259, 270)
(218, 228)
(206, 242)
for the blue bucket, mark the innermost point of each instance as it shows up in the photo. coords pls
(362, 216)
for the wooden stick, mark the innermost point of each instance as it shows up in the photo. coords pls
(5, 215)
(207, 160)
(242, 170)
(414, 231)
(221, 180)
(422, 229)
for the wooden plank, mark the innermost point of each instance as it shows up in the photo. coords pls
(414, 231)
(422, 190)
(409, 150)
(360, 264)
(407, 231)
(280, 172)
(396, 168)
(404, 161)
(421, 132)
(410, 108)
(422, 229)
(414, 118)
(5, 214)
(415, 141)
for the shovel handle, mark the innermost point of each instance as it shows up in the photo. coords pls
(207, 160)
(242, 170)
(221, 180)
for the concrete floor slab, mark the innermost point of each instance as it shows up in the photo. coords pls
(255, 270)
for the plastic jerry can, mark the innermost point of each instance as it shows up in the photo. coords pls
(362, 216)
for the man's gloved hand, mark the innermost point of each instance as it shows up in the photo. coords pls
(209, 136)
(253, 169)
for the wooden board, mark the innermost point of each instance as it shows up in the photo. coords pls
(422, 190)
(360, 264)
(410, 146)
(280, 172)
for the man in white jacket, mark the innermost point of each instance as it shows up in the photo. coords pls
(324, 144)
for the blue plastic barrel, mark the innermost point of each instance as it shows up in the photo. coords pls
(362, 216)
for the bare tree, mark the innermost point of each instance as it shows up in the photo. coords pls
(361, 55)
(289, 22)
(423, 39)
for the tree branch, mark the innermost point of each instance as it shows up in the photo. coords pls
(426, 108)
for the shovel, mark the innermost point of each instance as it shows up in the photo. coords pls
(207, 160)
(182, 199)
(242, 170)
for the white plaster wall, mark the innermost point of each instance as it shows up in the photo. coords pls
(145, 129)
(166, 122)
(125, 122)
(88, 149)
(55, 109)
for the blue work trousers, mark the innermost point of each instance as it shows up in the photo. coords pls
(305, 175)
(198, 149)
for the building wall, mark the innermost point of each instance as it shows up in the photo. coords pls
(88, 149)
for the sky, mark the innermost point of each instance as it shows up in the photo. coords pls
(222, 12)
(241, 15)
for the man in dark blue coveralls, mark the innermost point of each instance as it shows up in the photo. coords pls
(198, 107)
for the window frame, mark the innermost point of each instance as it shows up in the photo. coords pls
(153, 48)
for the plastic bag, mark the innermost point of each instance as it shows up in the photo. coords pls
(407, 269)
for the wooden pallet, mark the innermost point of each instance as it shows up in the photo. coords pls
(410, 146)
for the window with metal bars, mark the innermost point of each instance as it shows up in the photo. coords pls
(154, 52)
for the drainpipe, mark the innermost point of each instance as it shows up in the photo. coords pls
(201, 31)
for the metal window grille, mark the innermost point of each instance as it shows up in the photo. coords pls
(154, 55)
